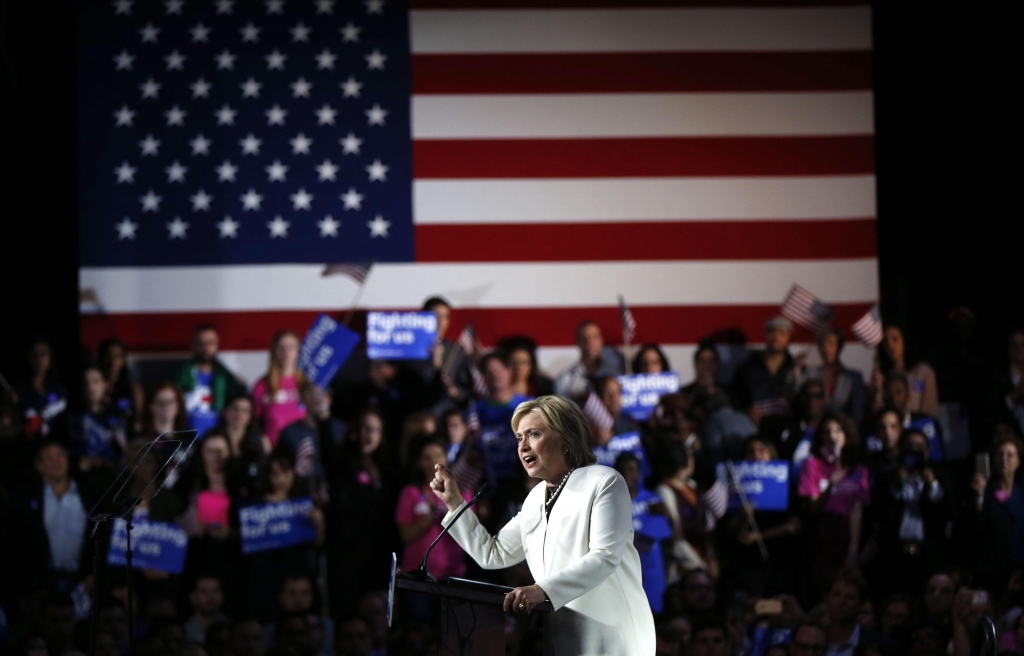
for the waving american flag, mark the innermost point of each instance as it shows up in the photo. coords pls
(530, 161)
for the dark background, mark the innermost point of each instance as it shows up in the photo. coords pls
(948, 154)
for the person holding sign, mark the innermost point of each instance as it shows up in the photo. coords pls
(269, 568)
(748, 570)
(574, 531)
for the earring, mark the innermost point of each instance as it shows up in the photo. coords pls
(565, 452)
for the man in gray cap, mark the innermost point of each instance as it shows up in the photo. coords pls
(768, 379)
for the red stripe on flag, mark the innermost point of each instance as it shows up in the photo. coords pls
(696, 240)
(643, 157)
(673, 324)
(640, 72)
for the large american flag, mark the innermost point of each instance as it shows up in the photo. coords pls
(528, 160)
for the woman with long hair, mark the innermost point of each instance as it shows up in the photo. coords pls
(249, 446)
(527, 378)
(124, 393)
(994, 516)
(361, 532)
(419, 514)
(835, 487)
(165, 411)
(210, 516)
(896, 354)
(276, 395)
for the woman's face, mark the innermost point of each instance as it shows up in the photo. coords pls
(370, 434)
(894, 342)
(1006, 461)
(758, 450)
(650, 362)
(889, 429)
(116, 356)
(287, 352)
(95, 386)
(829, 349)
(39, 358)
(834, 440)
(215, 453)
(894, 616)
(281, 476)
(457, 429)
(540, 450)
(706, 364)
(431, 455)
(631, 472)
(522, 365)
(238, 414)
(164, 407)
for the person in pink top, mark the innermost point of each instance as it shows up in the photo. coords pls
(835, 488)
(276, 395)
(419, 513)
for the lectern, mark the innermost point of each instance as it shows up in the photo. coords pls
(472, 620)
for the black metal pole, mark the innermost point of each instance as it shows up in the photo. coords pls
(96, 561)
(131, 596)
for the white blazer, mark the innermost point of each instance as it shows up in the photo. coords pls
(583, 557)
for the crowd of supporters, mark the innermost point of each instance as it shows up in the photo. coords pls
(904, 524)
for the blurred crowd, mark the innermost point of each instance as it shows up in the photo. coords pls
(903, 526)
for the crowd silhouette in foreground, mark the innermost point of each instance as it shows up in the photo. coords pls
(904, 524)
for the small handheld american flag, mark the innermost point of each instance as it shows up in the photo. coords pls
(598, 415)
(804, 308)
(628, 322)
(357, 271)
(868, 328)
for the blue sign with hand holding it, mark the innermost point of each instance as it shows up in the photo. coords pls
(766, 484)
(155, 545)
(277, 525)
(625, 443)
(325, 348)
(400, 335)
(641, 392)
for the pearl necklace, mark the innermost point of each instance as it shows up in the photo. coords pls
(554, 495)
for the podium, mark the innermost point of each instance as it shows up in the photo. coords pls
(472, 620)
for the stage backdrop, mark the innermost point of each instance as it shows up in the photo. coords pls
(528, 160)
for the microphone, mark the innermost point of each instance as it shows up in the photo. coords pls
(486, 490)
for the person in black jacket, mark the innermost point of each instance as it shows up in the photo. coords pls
(911, 510)
(51, 516)
(993, 517)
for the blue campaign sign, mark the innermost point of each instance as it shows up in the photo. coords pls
(930, 428)
(766, 484)
(326, 347)
(277, 525)
(766, 637)
(400, 335)
(641, 392)
(155, 545)
(627, 442)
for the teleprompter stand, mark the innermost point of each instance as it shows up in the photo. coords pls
(118, 504)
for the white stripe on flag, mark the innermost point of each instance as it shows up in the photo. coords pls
(513, 285)
(643, 199)
(641, 115)
(640, 30)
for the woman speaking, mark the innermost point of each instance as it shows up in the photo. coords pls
(575, 532)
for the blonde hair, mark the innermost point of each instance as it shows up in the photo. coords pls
(275, 372)
(566, 420)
